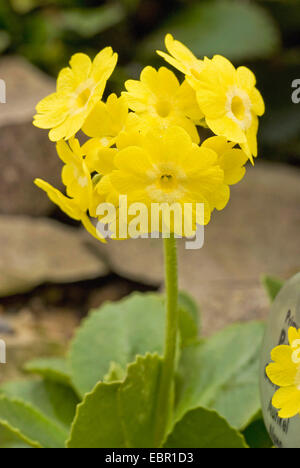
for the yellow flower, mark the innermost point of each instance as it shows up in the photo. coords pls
(107, 120)
(230, 102)
(182, 58)
(69, 207)
(231, 160)
(103, 125)
(159, 99)
(75, 174)
(79, 88)
(227, 96)
(285, 373)
(168, 168)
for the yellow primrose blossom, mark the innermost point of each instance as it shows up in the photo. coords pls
(75, 174)
(285, 373)
(182, 58)
(232, 161)
(81, 194)
(68, 206)
(227, 96)
(159, 99)
(79, 88)
(145, 144)
(168, 168)
(105, 122)
(230, 101)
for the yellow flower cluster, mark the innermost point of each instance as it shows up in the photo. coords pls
(285, 373)
(145, 144)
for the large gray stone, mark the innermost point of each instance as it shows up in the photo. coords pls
(257, 233)
(34, 251)
(26, 152)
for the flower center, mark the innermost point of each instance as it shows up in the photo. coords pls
(238, 108)
(163, 108)
(166, 179)
(83, 97)
(167, 184)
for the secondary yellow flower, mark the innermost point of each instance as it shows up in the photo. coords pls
(227, 96)
(103, 125)
(159, 99)
(232, 161)
(285, 373)
(79, 88)
(182, 58)
(230, 102)
(80, 189)
(75, 174)
(68, 206)
(107, 120)
(168, 168)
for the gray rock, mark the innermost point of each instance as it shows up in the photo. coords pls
(257, 233)
(26, 152)
(5, 327)
(34, 251)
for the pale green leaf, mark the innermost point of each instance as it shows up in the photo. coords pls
(222, 373)
(203, 428)
(97, 423)
(54, 369)
(189, 319)
(30, 425)
(117, 332)
(88, 22)
(120, 414)
(10, 440)
(235, 29)
(138, 398)
(54, 401)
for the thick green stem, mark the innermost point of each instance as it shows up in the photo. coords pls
(165, 396)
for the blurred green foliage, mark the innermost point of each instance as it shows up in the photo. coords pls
(263, 34)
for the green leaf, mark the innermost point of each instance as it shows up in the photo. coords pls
(203, 428)
(138, 398)
(89, 22)
(54, 369)
(120, 414)
(4, 40)
(222, 373)
(115, 373)
(117, 332)
(97, 423)
(30, 425)
(256, 434)
(235, 29)
(272, 285)
(9, 440)
(188, 319)
(54, 401)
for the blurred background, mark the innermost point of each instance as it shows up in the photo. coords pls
(51, 272)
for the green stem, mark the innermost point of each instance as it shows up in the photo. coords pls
(165, 396)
